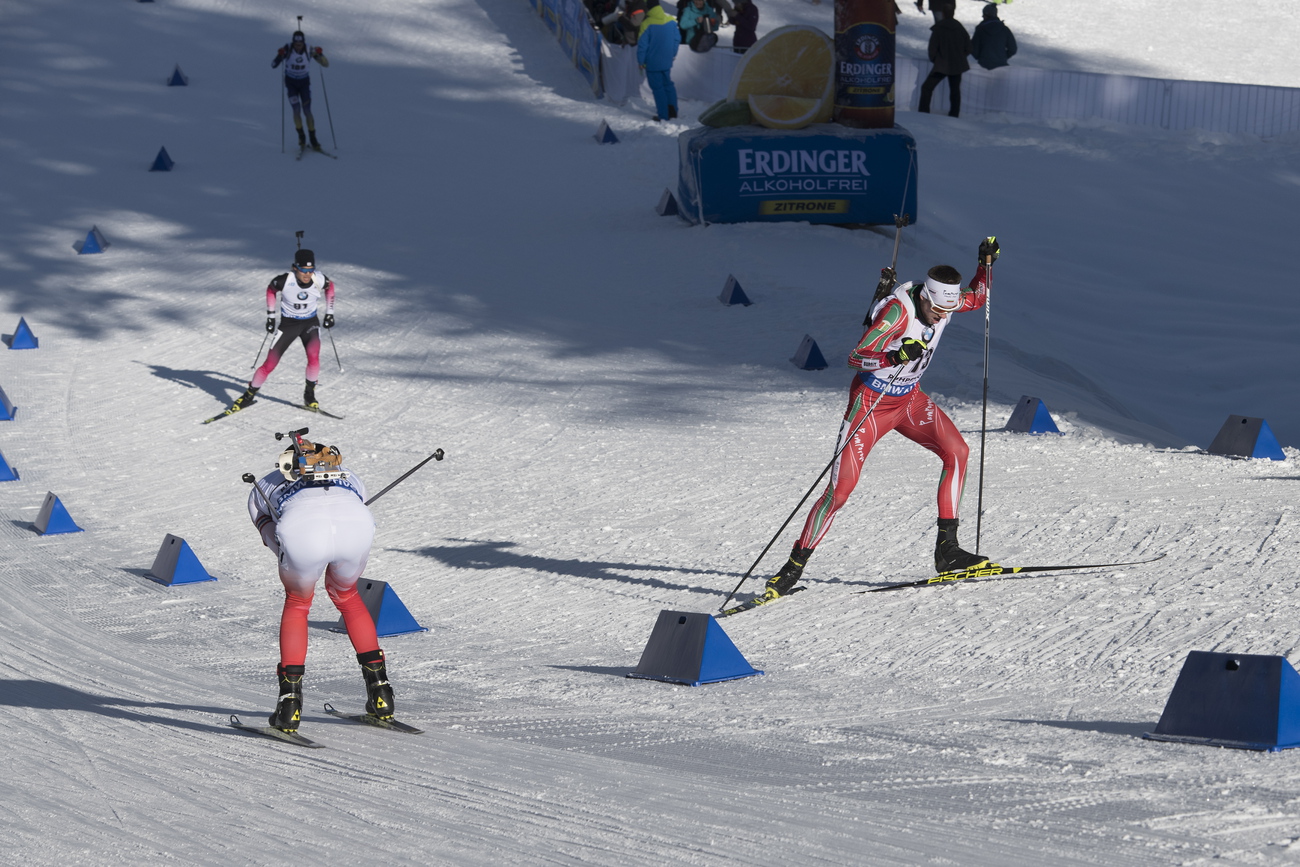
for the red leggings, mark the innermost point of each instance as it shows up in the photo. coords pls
(306, 330)
(293, 622)
(913, 415)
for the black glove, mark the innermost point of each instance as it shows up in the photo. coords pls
(989, 250)
(910, 351)
(329, 320)
(270, 324)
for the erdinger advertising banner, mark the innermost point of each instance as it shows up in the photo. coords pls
(550, 10)
(587, 56)
(824, 173)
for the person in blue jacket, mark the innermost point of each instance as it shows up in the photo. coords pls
(656, 48)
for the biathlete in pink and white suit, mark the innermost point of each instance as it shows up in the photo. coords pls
(299, 302)
(311, 512)
(904, 331)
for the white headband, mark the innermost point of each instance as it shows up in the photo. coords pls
(944, 297)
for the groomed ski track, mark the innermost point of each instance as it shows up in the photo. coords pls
(617, 443)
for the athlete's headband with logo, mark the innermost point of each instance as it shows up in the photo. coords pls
(944, 297)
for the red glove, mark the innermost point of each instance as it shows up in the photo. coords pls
(317, 51)
(281, 53)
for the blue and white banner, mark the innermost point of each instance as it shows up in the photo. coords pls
(550, 10)
(586, 55)
(571, 23)
(573, 20)
(824, 173)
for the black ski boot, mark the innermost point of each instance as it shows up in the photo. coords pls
(288, 710)
(379, 695)
(244, 399)
(302, 138)
(782, 583)
(315, 145)
(948, 555)
(309, 396)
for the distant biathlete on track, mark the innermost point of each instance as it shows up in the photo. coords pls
(903, 330)
(310, 512)
(296, 55)
(297, 295)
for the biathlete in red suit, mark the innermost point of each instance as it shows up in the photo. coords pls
(897, 347)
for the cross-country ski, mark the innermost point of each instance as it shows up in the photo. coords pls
(275, 734)
(372, 720)
(995, 570)
(229, 411)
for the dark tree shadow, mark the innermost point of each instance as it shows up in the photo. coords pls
(482, 554)
(39, 695)
(1106, 727)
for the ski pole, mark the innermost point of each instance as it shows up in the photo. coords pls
(984, 411)
(901, 220)
(436, 456)
(796, 509)
(325, 90)
(330, 332)
(252, 480)
(259, 350)
(281, 84)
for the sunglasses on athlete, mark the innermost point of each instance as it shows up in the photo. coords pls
(302, 269)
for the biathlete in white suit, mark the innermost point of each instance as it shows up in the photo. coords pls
(902, 334)
(296, 57)
(311, 512)
(298, 301)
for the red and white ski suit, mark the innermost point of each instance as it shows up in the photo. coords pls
(899, 404)
(298, 321)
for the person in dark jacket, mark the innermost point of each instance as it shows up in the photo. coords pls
(993, 44)
(746, 21)
(949, 45)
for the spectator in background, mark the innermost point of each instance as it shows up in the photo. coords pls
(697, 19)
(600, 8)
(656, 48)
(745, 19)
(619, 27)
(936, 8)
(993, 44)
(949, 45)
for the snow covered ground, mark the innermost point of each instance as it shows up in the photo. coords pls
(619, 443)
